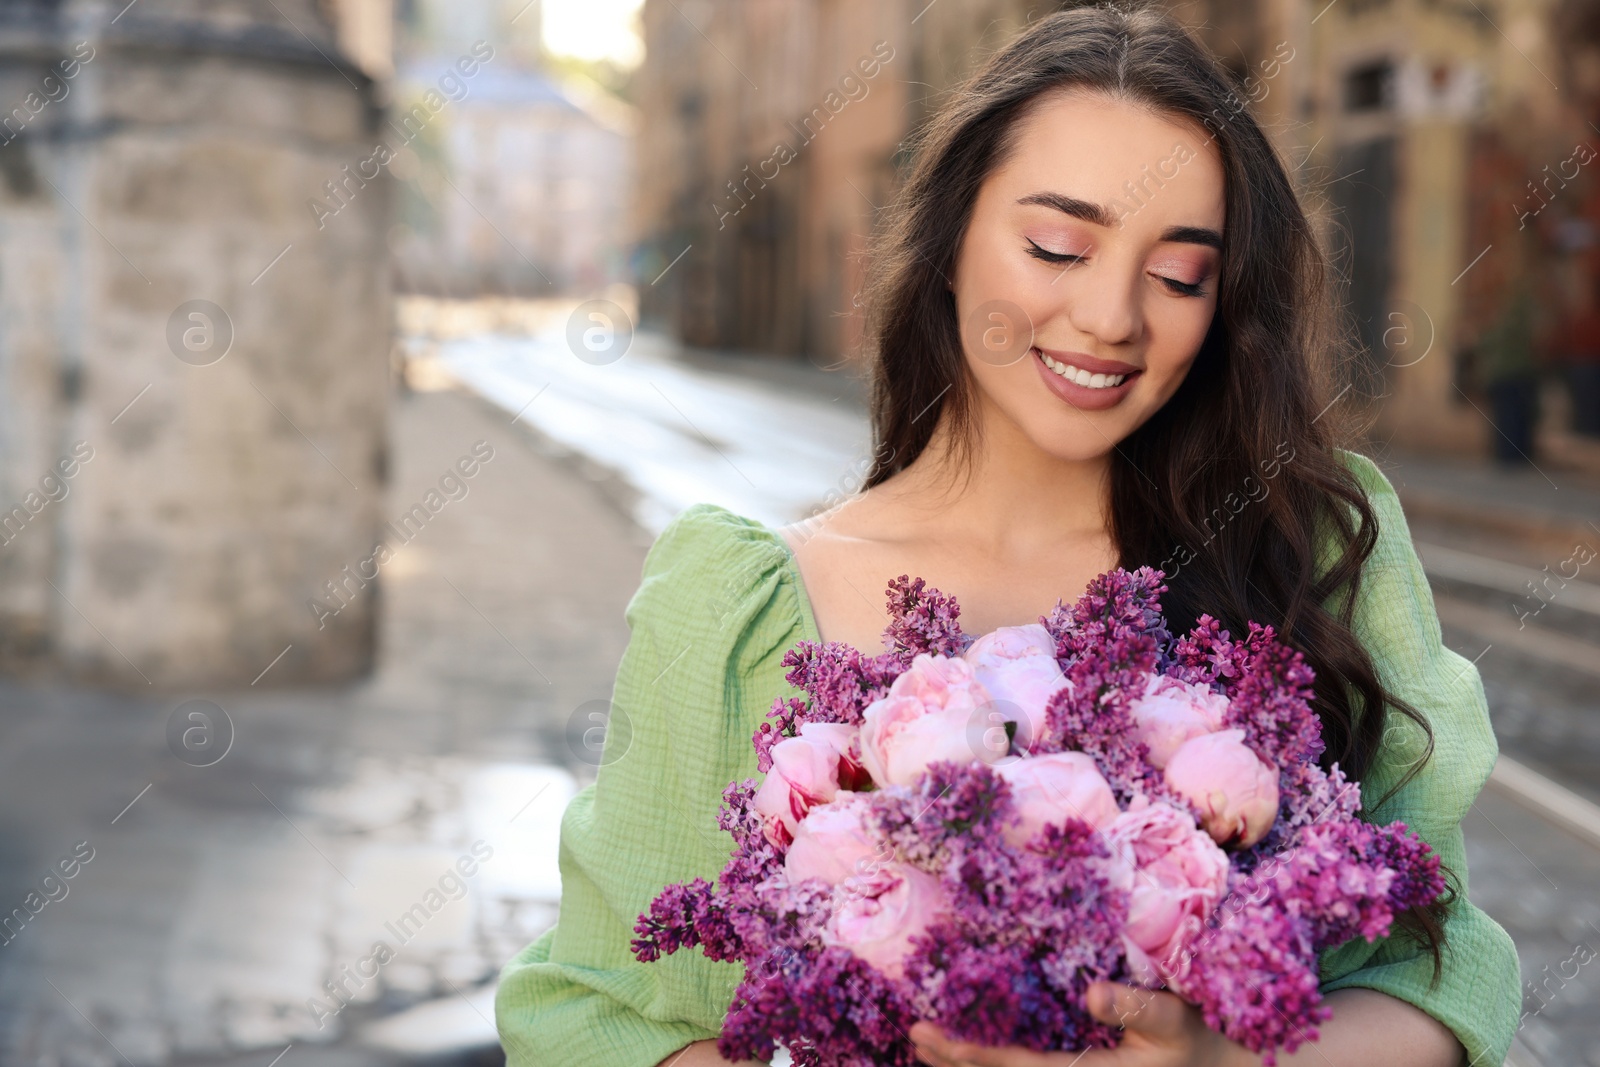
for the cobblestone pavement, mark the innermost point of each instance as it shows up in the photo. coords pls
(209, 906)
(1541, 885)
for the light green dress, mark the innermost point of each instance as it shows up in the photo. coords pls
(720, 602)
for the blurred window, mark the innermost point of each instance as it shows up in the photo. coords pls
(1369, 87)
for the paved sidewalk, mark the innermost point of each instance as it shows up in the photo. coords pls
(221, 900)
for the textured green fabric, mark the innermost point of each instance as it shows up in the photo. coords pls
(719, 604)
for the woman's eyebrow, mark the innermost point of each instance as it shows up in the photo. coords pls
(1086, 210)
(1102, 215)
(1194, 235)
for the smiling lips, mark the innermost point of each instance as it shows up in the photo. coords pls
(1084, 381)
(1075, 373)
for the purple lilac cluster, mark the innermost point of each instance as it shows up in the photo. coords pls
(1032, 927)
(1017, 918)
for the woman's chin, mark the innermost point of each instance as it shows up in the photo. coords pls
(1076, 443)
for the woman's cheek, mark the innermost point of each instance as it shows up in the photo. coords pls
(1180, 331)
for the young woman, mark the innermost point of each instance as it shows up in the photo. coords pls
(1099, 342)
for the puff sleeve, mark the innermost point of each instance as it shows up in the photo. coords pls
(718, 605)
(1478, 995)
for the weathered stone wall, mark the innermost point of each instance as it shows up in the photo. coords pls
(231, 464)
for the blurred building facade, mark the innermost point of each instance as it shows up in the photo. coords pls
(1447, 143)
(193, 371)
(769, 135)
(519, 185)
(1419, 131)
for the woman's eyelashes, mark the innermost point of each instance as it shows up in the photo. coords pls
(1175, 285)
(1175, 272)
(1182, 288)
(1035, 250)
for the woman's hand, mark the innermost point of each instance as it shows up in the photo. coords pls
(1160, 1030)
(1368, 1028)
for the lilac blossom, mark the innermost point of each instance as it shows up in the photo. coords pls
(922, 620)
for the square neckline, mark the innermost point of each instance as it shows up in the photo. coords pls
(808, 618)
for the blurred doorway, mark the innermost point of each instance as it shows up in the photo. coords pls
(1362, 190)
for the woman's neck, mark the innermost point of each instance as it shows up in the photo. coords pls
(1014, 498)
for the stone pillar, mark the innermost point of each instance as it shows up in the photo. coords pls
(193, 363)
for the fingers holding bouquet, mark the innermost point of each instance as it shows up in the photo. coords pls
(1152, 816)
(1158, 1030)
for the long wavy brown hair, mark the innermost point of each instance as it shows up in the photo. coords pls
(1254, 410)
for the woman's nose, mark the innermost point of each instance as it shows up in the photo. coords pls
(1105, 305)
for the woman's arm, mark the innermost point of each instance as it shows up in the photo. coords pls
(1371, 1028)
(714, 613)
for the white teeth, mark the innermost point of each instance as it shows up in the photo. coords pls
(1083, 377)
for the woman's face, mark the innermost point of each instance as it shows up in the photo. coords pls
(1088, 274)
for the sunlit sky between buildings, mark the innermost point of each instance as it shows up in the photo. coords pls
(594, 29)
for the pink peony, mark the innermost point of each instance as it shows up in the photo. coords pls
(808, 769)
(875, 916)
(1172, 711)
(1175, 877)
(1053, 788)
(1017, 666)
(932, 712)
(1234, 791)
(1010, 643)
(1021, 688)
(833, 843)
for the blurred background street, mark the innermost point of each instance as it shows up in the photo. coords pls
(352, 352)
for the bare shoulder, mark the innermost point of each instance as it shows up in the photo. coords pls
(846, 555)
(861, 526)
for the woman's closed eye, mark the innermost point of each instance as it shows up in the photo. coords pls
(1177, 286)
(1038, 251)
(1183, 275)
(1180, 287)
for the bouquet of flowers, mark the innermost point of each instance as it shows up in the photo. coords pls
(972, 831)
